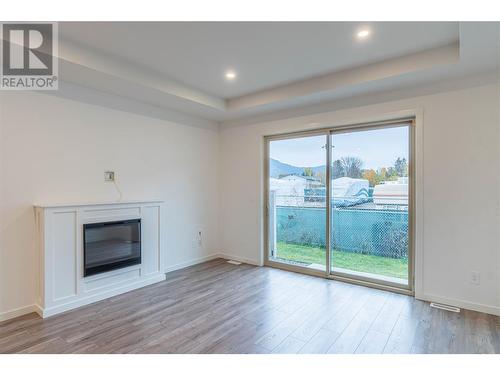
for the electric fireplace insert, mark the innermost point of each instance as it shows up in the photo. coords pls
(111, 245)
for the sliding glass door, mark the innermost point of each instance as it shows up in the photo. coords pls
(339, 203)
(297, 230)
(370, 200)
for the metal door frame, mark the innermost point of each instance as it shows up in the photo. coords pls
(329, 132)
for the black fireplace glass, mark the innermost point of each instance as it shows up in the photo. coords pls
(111, 245)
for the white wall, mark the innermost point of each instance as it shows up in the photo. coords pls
(56, 150)
(460, 189)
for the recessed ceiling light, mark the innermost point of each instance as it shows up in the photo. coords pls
(230, 75)
(362, 34)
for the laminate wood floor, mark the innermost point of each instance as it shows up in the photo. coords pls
(216, 307)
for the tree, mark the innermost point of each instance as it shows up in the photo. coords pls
(392, 174)
(308, 172)
(382, 174)
(401, 167)
(351, 166)
(337, 169)
(371, 176)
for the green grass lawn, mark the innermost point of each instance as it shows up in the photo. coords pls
(351, 261)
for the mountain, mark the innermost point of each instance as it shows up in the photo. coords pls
(278, 168)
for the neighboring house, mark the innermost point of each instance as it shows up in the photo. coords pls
(289, 190)
(308, 181)
(392, 194)
(294, 190)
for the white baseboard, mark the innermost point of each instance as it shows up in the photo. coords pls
(207, 258)
(488, 309)
(189, 263)
(14, 313)
(38, 309)
(239, 259)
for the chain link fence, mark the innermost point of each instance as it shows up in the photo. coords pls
(360, 228)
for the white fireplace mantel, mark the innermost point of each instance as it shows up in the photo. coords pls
(61, 284)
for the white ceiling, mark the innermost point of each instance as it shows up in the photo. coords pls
(264, 55)
(180, 67)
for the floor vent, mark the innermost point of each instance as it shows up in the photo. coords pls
(445, 307)
(234, 262)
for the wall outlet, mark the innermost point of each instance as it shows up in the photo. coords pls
(199, 238)
(475, 278)
(109, 176)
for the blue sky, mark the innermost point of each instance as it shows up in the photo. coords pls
(377, 148)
